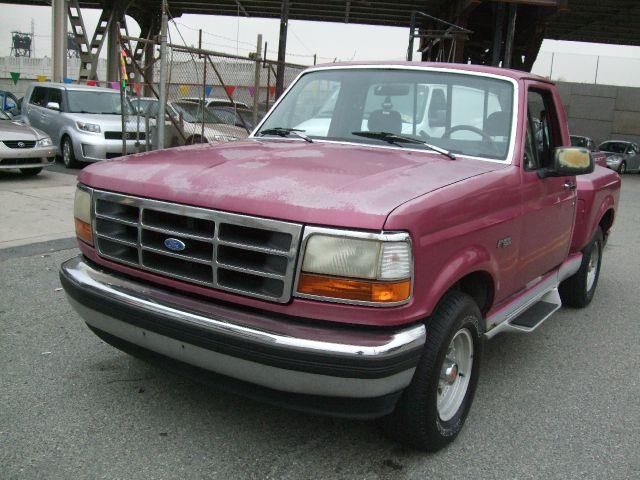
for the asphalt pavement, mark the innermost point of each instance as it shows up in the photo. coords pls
(561, 403)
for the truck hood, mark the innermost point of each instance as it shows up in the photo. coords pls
(315, 183)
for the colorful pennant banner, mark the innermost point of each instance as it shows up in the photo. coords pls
(42, 78)
(67, 80)
(15, 76)
(230, 89)
(251, 90)
(208, 89)
(272, 91)
(184, 89)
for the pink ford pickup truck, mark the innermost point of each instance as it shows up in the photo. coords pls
(353, 254)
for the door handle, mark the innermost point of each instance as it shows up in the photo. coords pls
(569, 185)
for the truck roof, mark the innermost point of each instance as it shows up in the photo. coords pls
(505, 72)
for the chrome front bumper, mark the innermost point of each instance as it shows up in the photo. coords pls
(284, 354)
(89, 147)
(36, 157)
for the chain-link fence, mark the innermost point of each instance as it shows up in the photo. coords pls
(210, 96)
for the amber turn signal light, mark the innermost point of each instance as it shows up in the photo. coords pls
(352, 289)
(83, 231)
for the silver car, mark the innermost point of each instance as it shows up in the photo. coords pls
(189, 117)
(622, 156)
(84, 121)
(24, 147)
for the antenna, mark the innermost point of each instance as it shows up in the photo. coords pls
(33, 38)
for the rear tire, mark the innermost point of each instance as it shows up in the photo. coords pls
(578, 290)
(196, 139)
(68, 155)
(30, 172)
(433, 408)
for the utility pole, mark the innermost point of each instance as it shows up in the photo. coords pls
(162, 100)
(256, 79)
(282, 47)
(511, 32)
(59, 43)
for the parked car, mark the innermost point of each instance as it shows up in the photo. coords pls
(218, 102)
(622, 156)
(23, 147)
(10, 104)
(240, 117)
(83, 121)
(355, 272)
(188, 117)
(599, 157)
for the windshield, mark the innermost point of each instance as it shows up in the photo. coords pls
(146, 106)
(464, 113)
(107, 103)
(614, 147)
(192, 113)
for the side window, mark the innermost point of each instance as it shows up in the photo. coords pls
(55, 95)
(542, 130)
(38, 96)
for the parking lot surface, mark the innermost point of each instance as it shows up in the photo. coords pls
(563, 402)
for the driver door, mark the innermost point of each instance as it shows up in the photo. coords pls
(548, 203)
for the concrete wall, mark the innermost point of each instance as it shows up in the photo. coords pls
(602, 111)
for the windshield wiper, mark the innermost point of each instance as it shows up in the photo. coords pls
(397, 139)
(285, 132)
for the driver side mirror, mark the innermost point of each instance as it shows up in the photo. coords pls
(53, 106)
(569, 161)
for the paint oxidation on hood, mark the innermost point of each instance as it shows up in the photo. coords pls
(321, 183)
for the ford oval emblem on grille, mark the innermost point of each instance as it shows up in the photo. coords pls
(174, 244)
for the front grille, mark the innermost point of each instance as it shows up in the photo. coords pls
(20, 143)
(237, 253)
(128, 135)
(19, 161)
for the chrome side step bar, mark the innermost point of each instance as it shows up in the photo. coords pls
(532, 317)
(541, 300)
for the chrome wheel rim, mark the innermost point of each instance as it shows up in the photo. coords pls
(623, 168)
(66, 153)
(592, 266)
(455, 374)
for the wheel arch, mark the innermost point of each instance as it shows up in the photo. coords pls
(472, 271)
(606, 221)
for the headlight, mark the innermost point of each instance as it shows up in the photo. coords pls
(614, 159)
(44, 142)
(356, 268)
(88, 127)
(82, 215)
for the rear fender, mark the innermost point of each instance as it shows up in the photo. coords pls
(607, 204)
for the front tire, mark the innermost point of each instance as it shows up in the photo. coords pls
(30, 172)
(68, 155)
(623, 168)
(578, 290)
(433, 408)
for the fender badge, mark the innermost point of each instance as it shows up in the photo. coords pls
(504, 242)
(174, 244)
